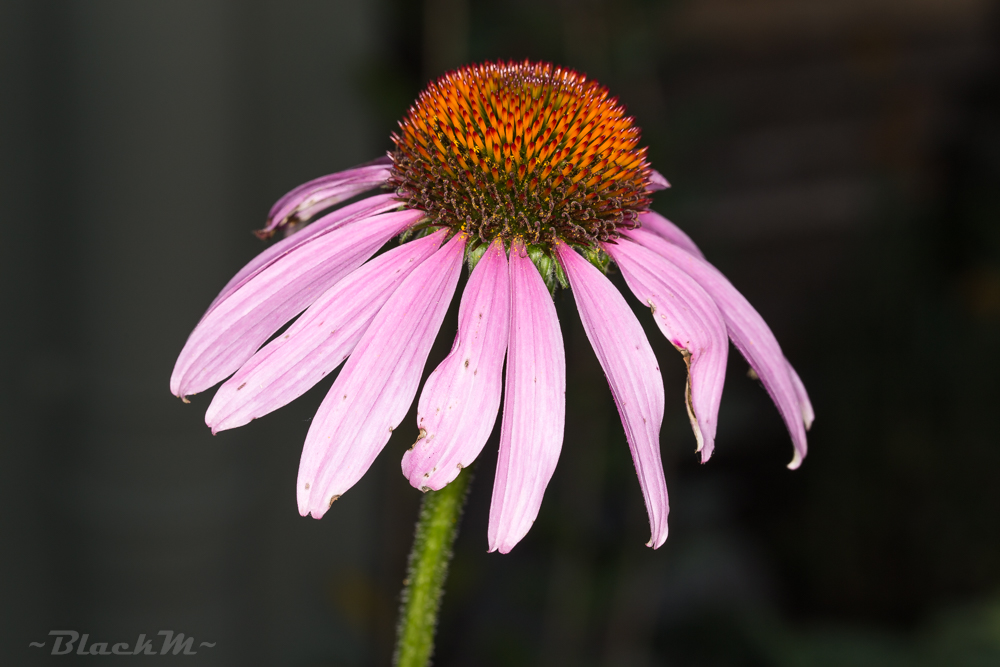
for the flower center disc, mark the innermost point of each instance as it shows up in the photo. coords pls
(522, 149)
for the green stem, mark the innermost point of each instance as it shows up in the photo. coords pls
(427, 571)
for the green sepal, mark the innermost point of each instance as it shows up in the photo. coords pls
(473, 255)
(546, 266)
(598, 258)
(422, 229)
(561, 277)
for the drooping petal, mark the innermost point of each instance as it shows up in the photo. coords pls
(303, 202)
(748, 331)
(804, 403)
(633, 374)
(691, 321)
(233, 330)
(377, 384)
(459, 402)
(657, 181)
(656, 223)
(361, 209)
(534, 410)
(318, 341)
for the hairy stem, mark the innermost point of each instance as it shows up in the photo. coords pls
(430, 556)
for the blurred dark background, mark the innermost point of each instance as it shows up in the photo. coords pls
(838, 160)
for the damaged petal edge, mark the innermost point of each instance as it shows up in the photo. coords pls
(420, 436)
(688, 403)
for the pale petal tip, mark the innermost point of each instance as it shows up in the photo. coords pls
(796, 461)
(808, 416)
(509, 539)
(655, 542)
(503, 547)
(217, 420)
(212, 424)
(706, 446)
(699, 437)
(303, 498)
(177, 386)
(308, 506)
(805, 405)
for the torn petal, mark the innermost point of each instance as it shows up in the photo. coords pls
(691, 321)
(748, 331)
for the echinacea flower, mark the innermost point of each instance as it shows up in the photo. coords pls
(532, 175)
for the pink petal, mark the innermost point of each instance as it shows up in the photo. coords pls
(632, 372)
(657, 181)
(233, 330)
(317, 342)
(534, 409)
(748, 331)
(656, 223)
(377, 384)
(691, 321)
(458, 406)
(361, 209)
(306, 200)
(804, 404)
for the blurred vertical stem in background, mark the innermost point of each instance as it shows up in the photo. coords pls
(427, 570)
